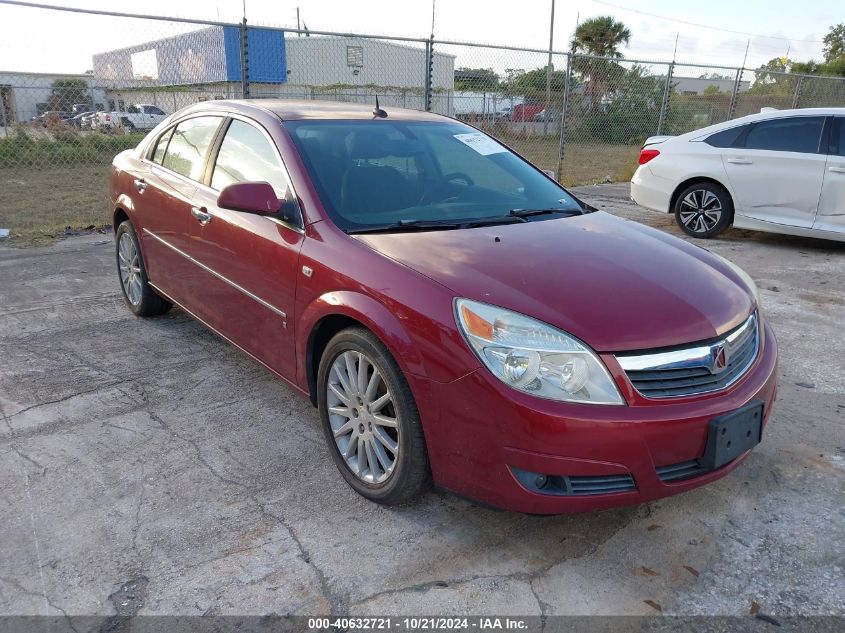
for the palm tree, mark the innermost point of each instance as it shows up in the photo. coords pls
(600, 37)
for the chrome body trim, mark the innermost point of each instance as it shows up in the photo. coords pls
(699, 356)
(713, 356)
(222, 278)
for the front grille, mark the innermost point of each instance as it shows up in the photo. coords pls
(574, 485)
(691, 370)
(683, 470)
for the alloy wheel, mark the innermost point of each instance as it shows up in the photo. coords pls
(363, 417)
(700, 210)
(130, 268)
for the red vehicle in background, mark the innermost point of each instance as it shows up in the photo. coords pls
(526, 112)
(454, 313)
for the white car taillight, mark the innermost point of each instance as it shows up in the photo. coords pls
(646, 154)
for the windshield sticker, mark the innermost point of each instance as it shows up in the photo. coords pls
(481, 143)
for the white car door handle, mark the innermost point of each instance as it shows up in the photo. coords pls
(837, 169)
(740, 161)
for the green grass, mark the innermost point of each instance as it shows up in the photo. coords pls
(64, 148)
(583, 163)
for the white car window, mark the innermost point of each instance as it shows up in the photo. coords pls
(726, 138)
(791, 134)
(837, 139)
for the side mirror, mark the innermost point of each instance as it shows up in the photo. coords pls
(250, 197)
(550, 174)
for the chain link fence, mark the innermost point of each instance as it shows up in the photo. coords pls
(580, 116)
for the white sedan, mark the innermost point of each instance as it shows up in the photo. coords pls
(780, 171)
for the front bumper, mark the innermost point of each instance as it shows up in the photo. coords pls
(478, 431)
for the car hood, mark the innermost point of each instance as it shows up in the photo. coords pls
(615, 284)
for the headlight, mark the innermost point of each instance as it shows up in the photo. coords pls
(744, 276)
(533, 357)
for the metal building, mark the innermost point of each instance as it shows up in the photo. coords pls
(205, 64)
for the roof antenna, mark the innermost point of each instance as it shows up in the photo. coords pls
(378, 112)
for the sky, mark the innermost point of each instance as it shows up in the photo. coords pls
(713, 32)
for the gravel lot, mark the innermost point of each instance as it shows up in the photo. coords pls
(152, 453)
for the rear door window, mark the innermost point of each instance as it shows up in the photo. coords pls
(790, 134)
(189, 146)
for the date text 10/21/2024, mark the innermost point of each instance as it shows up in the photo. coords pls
(417, 624)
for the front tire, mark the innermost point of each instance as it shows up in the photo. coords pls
(138, 295)
(370, 419)
(704, 209)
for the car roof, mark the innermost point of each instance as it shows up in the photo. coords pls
(761, 116)
(776, 114)
(292, 110)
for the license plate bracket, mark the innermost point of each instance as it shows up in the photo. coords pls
(730, 435)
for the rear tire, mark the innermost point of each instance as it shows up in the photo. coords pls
(370, 419)
(704, 209)
(138, 294)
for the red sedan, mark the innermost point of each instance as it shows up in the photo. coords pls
(457, 316)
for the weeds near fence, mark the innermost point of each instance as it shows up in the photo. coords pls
(62, 147)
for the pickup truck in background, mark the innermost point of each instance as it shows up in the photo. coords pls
(140, 116)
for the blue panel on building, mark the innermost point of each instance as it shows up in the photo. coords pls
(232, 44)
(267, 63)
(204, 56)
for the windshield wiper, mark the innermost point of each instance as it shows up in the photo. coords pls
(496, 219)
(407, 225)
(514, 216)
(525, 213)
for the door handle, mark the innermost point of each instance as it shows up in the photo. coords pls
(740, 161)
(140, 185)
(837, 169)
(200, 214)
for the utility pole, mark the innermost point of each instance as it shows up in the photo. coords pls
(549, 71)
(429, 65)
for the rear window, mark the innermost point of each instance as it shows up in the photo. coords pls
(726, 138)
(791, 134)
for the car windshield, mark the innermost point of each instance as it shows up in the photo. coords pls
(424, 174)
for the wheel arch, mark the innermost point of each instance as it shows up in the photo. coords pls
(124, 209)
(335, 311)
(318, 339)
(695, 180)
(118, 217)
